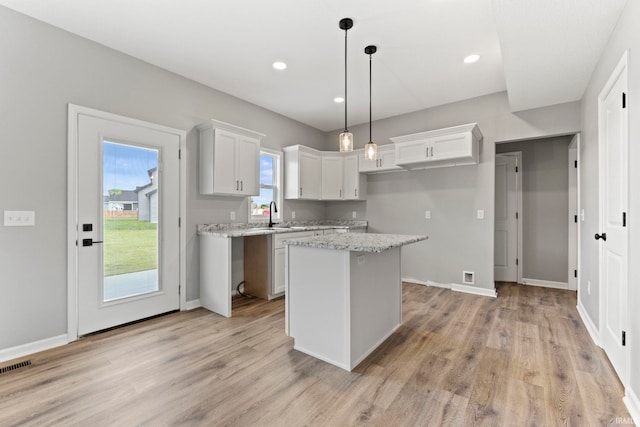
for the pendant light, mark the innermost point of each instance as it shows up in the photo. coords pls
(346, 137)
(370, 148)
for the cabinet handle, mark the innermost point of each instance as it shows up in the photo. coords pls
(380, 162)
(377, 163)
(432, 151)
(237, 185)
(427, 155)
(241, 185)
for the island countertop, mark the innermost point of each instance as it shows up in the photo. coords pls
(253, 229)
(357, 242)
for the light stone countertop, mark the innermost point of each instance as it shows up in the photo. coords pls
(255, 229)
(357, 242)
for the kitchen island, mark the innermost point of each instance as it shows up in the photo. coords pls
(344, 294)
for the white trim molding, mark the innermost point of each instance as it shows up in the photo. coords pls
(32, 347)
(545, 283)
(588, 323)
(632, 402)
(192, 305)
(474, 290)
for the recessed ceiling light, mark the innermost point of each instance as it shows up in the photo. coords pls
(471, 58)
(338, 99)
(279, 65)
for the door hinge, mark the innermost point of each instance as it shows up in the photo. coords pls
(517, 261)
(624, 338)
(516, 215)
(575, 273)
(624, 100)
(575, 218)
(624, 219)
(516, 169)
(575, 163)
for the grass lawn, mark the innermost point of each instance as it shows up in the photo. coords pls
(129, 246)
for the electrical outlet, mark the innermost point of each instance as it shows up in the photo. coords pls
(232, 216)
(582, 215)
(19, 218)
(427, 214)
(480, 213)
(293, 214)
(354, 214)
(588, 287)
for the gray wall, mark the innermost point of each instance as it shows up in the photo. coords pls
(626, 36)
(396, 201)
(44, 69)
(545, 204)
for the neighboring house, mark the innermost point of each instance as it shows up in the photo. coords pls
(125, 200)
(147, 198)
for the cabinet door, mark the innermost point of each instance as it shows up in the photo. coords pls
(224, 174)
(387, 159)
(351, 178)
(365, 165)
(411, 152)
(278, 271)
(332, 178)
(455, 146)
(310, 176)
(247, 165)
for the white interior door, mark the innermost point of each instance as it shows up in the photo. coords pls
(127, 222)
(506, 219)
(613, 237)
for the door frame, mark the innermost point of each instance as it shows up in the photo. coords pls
(74, 111)
(519, 230)
(621, 67)
(574, 199)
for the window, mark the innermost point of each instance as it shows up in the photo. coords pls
(270, 187)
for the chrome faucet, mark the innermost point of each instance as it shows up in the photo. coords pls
(275, 209)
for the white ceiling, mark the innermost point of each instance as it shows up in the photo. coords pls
(541, 51)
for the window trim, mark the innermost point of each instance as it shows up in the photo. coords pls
(278, 158)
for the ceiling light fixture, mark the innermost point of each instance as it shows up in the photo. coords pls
(279, 65)
(471, 58)
(346, 137)
(370, 148)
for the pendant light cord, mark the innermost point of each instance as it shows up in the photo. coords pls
(345, 80)
(370, 140)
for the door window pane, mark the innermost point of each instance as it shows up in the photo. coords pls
(130, 220)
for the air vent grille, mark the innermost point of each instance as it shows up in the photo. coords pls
(15, 366)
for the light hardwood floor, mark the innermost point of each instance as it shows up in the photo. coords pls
(523, 358)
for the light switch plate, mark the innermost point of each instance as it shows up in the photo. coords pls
(427, 214)
(19, 218)
(480, 213)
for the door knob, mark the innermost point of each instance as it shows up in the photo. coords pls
(602, 236)
(90, 242)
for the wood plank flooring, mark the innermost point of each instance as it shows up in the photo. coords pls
(523, 358)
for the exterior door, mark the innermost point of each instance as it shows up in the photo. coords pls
(614, 179)
(127, 223)
(506, 219)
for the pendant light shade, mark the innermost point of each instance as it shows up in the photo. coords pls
(346, 137)
(370, 148)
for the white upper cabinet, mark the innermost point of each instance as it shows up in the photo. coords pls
(302, 173)
(332, 176)
(386, 161)
(228, 160)
(452, 146)
(355, 184)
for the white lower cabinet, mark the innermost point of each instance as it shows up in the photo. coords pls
(278, 282)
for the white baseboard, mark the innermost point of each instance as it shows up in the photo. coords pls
(454, 287)
(32, 347)
(474, 290)
(588, 323)
(633, 405)
(193, 304)
(545, 283)
(427, 283)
